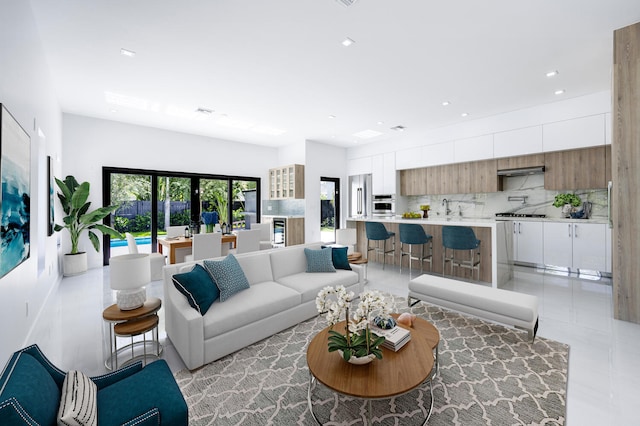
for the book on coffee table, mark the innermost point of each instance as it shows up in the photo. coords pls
(395, 338)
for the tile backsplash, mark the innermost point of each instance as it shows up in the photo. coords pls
(294, 207)
(538, 200)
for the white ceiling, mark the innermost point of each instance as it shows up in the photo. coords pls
(280, 63)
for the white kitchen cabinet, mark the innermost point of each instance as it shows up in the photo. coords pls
(383, 179)
(437, 154)
(608, 256)
(577, 133)
(473, 149)
(359, 166)
(518, 142)
(575, 245)
(528, 242)
(409, 158)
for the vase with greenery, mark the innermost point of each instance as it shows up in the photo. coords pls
(567, 202)
(78, 219)
(425, 210)
(357, 341)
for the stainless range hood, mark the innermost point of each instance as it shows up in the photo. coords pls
(521, 172)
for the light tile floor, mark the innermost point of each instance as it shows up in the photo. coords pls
(604, 366)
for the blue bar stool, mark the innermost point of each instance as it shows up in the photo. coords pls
(460, 238)
(413, 234)
(377, 232)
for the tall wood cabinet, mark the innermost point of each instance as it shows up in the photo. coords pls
(459, 178)
(286, 182)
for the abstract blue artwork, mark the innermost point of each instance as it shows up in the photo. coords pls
(15, 171)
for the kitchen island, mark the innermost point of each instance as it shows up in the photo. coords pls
(495, 248)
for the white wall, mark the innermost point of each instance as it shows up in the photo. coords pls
(322, 161)
(91, 143)
(26, 91)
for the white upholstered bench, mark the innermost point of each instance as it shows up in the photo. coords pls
(502, 306)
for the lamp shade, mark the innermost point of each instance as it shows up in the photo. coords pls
(130, 271)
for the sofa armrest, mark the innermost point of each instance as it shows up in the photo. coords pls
(110, 378)
(184, 325)
(359, 269)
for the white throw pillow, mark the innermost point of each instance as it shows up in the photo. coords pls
(78, 402)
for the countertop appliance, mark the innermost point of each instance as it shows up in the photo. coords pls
(360, 202)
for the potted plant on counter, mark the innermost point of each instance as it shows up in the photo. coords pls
(73, 197)
(425, 210)
(568, 202)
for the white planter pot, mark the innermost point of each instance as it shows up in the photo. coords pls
(74, 264)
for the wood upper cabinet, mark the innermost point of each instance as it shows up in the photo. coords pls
(286, 182)
(521, 161)
(460, 178)
(575, 169)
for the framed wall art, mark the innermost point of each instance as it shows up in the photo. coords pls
(15, 175)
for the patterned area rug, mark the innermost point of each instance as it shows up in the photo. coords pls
(489, 375)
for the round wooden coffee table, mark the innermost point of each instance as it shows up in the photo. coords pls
(395, 374)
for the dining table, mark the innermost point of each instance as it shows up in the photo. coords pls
(173, 243)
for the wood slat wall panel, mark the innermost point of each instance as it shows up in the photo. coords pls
(626, 173)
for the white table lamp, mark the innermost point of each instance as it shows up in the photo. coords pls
(129, 274)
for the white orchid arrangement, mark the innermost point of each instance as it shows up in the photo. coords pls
(358, 340)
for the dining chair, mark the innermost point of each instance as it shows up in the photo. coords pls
(461, 239)
(265, 234)
(247, 240)
(157, 260)
(413, 234)
(205, 246)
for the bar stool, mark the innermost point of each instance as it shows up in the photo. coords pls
(460, 238)
(377, 232)
(413, 234)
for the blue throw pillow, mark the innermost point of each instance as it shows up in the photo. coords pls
(339, 257)
(319, 260)
(198, 287)
(229, 276)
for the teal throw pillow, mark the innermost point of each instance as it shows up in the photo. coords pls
(319, 260)
(339, 257)
(198, 287)
(229, 276)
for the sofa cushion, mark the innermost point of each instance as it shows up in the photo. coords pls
(78, 405)
(289, 261)
(319, 260)
(256, 266)
(308, 285)
(27, 389)
(228, 276)
(253, 304)
(198, 287)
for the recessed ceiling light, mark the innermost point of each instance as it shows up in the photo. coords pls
(380, 123)
(331, 117)
(113, 110)
(346, 3)
(398, 128)
(347, 42)
(205, 111)
(446, 103)
(126, 101)
(266, 130)
(464, 114)
(552, 73)
(559, 92)
(367, 134)
(127, 52)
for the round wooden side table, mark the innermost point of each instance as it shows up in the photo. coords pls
(133, 323)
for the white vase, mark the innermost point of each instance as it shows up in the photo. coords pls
(74, 264)
(566, 210)
(358, 360)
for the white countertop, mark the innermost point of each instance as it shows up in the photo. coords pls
(471, 221)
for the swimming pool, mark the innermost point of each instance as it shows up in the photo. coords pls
(139, 241)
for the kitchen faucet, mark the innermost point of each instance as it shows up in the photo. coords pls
(445, 203)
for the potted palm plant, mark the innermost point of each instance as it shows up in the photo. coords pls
(73, 197)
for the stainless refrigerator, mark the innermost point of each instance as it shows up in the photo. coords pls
(360, 199)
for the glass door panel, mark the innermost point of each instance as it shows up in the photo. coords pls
(132, 193)
(174, 202)
(214, 197)
(245, 203)
(328, 217)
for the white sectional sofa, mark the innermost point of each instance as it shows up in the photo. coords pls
(281, 294)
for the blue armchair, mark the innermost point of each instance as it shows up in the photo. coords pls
(30, 393)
